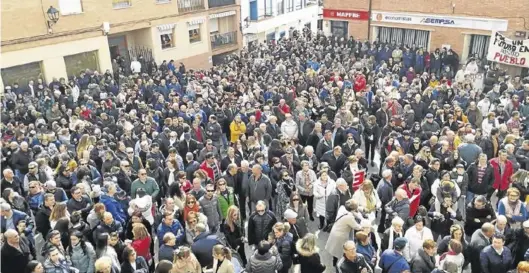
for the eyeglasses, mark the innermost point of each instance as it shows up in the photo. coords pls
(32, 187)
(295, 199)
(260, 211)
(222, 184)
(130, 153)
(143, 174)
(190, 202)
(126, 166)
(210, 191)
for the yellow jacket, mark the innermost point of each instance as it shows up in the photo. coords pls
(236, 130)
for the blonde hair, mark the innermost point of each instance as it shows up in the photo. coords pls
(367, 185)
(229, 215)
(222, 250)
(308, 243)
(59, 211)
(102, 263)
(139, 231)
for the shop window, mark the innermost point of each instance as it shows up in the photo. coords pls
(22, 74)
(479, 45)
(340, 28)
(194, 34)
(407, 37)
(80, 62)
(167, 40)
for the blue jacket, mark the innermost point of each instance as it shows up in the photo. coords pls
(166, 253)
(407, 59)
(17, 217)
(175, 228)
(393, 262)
(491, 261)
(203, 246)
(419, 61)
(515, 218)
(114, 207)
(35, 201)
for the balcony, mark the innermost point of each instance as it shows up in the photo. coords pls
(121, 4)
(190, 5)
(225, 39)
(220, 3)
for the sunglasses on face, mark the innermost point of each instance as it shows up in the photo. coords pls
(191, 202)
(260, 211)
(210, 191)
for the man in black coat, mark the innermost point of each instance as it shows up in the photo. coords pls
(42, 217)
(306, 126)
(16, 252)
(478, 212)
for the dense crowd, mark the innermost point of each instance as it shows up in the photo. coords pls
(210, 163)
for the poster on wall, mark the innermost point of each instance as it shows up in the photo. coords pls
(507, 51)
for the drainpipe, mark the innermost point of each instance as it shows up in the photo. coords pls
(369, 21)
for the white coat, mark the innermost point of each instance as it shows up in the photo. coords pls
(321, 193)
(415, 240)
(361, 200)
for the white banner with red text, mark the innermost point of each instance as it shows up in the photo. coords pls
(507, 51)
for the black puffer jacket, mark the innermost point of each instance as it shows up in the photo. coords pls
(259, 226)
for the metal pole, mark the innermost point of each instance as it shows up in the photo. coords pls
(369, 20)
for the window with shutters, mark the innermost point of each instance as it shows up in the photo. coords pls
(194, 33)
(69, 7)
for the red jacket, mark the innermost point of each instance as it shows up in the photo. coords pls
(501, 182)
(204, 166)
(414, 197)
(142, 248)
(285, 108)
(360, 84)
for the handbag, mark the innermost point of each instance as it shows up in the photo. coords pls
(329, 226)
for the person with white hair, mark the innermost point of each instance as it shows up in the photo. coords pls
(416, 235)
(469, 151)
(16, 252)
(17, 220)
(399, 206)
(337, 199)
(260, 223)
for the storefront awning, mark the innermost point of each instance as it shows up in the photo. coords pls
(222, 14)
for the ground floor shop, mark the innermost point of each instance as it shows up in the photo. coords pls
(192, 39)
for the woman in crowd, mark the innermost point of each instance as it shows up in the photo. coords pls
(103, 249)
(191, 205)
(305, 180)
(132, 262)
(222, 260)
(457, 234)
(82, 253)
(193, 218)
(58, 212)
(392, 233)
(367, 199)
(185, 261)
(296, 204)
(323, 187)
(141, 241)
(309, 257)
(285, 186)
(234, 232)
(513, 208)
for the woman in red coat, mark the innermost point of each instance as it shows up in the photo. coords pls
(413, 189)
(360, 83)
(141, 241)
(501, 180)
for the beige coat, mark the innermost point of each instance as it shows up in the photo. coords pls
(340, 233)
(191, 265)
(225, 267)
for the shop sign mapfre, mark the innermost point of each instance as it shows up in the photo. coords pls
(346, 14)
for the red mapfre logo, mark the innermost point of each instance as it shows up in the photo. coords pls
(346, 14)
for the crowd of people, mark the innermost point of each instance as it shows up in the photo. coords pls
(210, 163)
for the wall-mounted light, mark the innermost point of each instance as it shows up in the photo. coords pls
(53, 17)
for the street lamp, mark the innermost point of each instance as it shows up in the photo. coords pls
(53, 17)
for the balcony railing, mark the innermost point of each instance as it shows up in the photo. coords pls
(163, 1)
(220, 40)
(121, 4)
(220, 3)
(190, 5)
(267, 15)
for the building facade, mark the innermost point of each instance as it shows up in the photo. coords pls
(91, 34)
(266, 20)
(463, 26)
